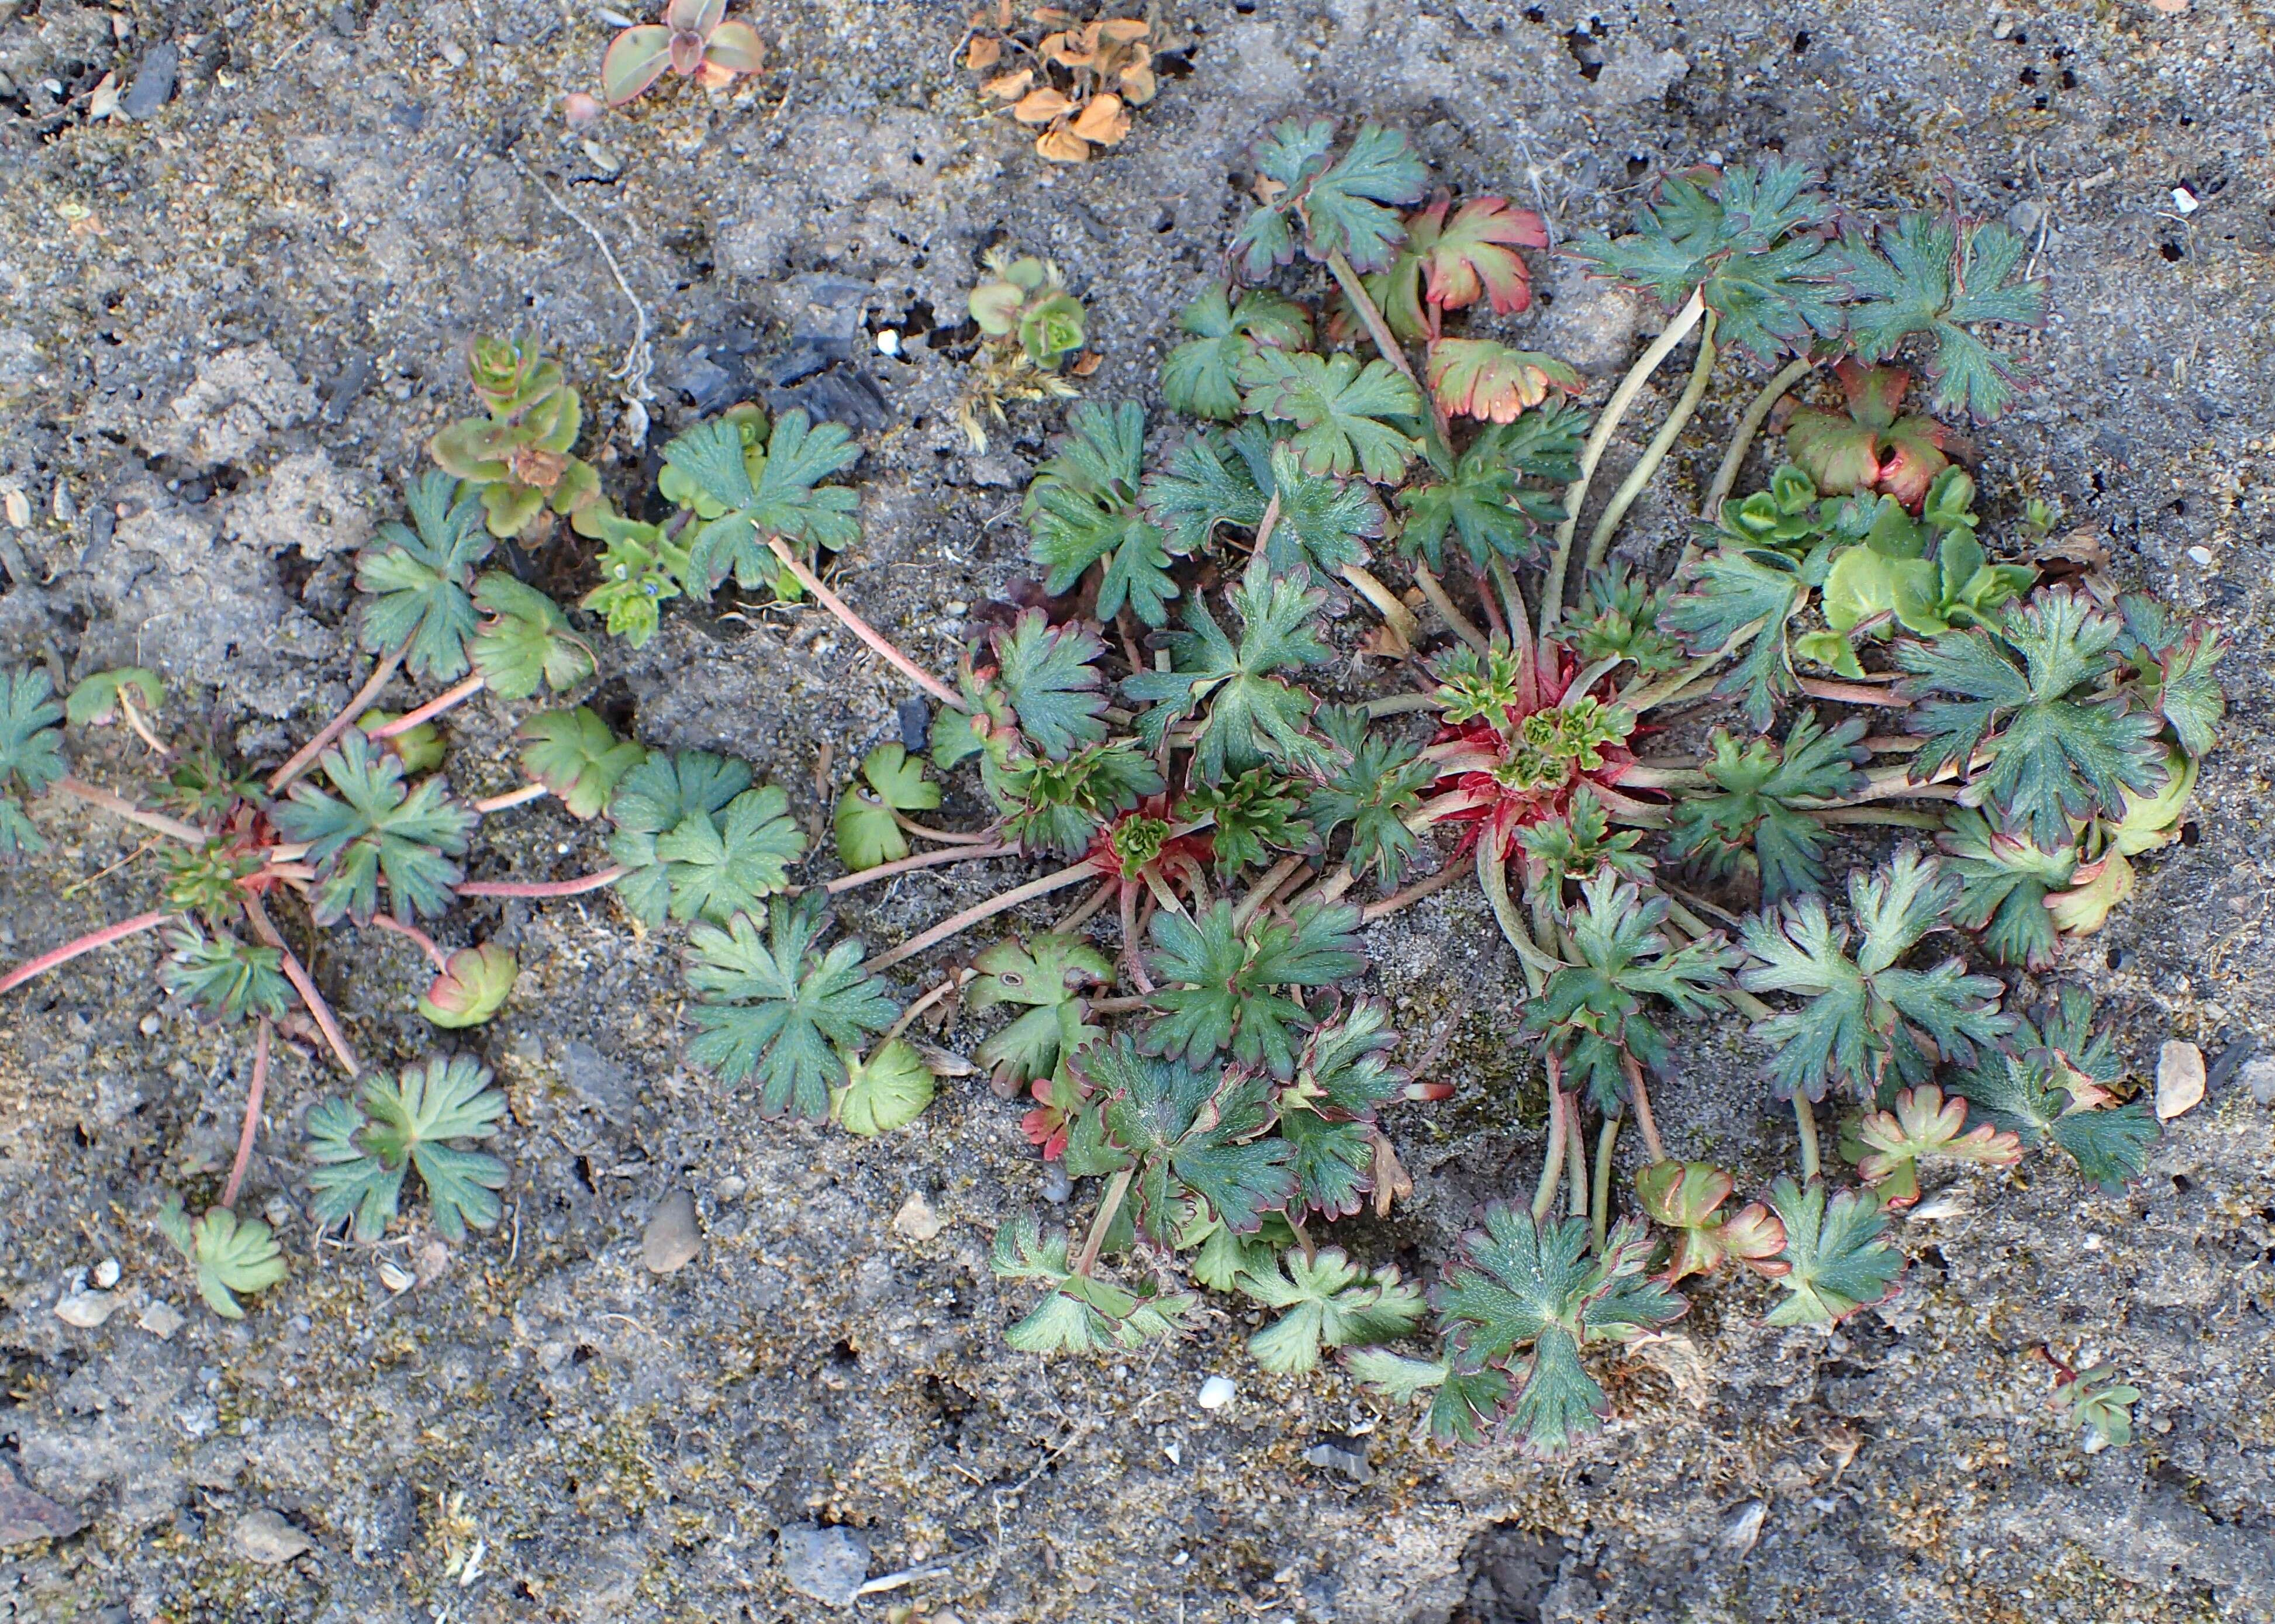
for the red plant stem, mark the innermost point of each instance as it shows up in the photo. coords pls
(1081, 912)
(863, 629)
(1118, 1006)
(305, 757)
(119, 806)
(522, 797)
(924, 831)
(88, 943)
(303, 984)
(418, 938)
(1131, 962)
(251, 1116)
(1643, 1106)
(544, 887)
(1115, 1190)
(450, 699)
(922, 859)
(1851, 693)
(1414, 893)
(1493, 610)
(1805, 1121)
(1070, 875)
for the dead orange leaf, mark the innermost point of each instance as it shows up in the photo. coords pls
(1041, 106)
(1139, 83)
(1010, 86)
(1052, 14)
(986, 52)
(1104, 120)
(1003, 13)
(1086, 364)
(2170, 8)
(1062, 145)
(1122, 30)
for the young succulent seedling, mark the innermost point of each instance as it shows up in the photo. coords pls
(2097, 1399)
(519, 456)
(694, 40)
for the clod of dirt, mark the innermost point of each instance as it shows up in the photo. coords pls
(671, 1239)
(2180, 1079)
(25, 1516)
(916, 1219)
(828, 1564)
(266, 1538)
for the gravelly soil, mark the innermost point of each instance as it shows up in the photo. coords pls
(231, 321)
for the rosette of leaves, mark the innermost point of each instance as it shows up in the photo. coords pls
(2052, 1085)
(1328, 1109)
(1244, 713)
(1750, 239)
(29, 757)
(233, 1256)
(1082, 510)
(641, 568)
(1025, 302)
(1219, 978)
(1076, 82)
(697, 841)
(746, 484)
(416, 581)
(1578, 844)
(694, 40)
(1927, 576)
(1686, 1197)
(1526, 1300)
(2100, 1401)
(209, 879)
(1324, 1300)
(1249, 818)
(423, 1121)
(224, 977)
(375, 827)
(1867, 1013)
(1187, 1134)
(1345, 209)
(1079, 1313)
(776, 1010)
(866, 832)
(471, 988)
(1924, 1126)
(1200, 377)
(1756, 819)
(1836, 1258)
(1321, 524)
(1062, 806)
(518, 456)
(573, 754)
(1617, 618)
(2036, 695)
(1501, 492)
(1374, 784)
(1593, 1013)
(1936, 278)
(525, 643)
(1872, 445)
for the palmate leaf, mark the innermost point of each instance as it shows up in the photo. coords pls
(1686, 1197)
(2173, 661)
(2051, 1085)
(573, 754)
(1327, 1113)
(1251, 714)
(782, 496)
(2005, 879)
(223, 976)
(867, 833)
(1515, 1288)
(1617, 618)
(471, 988)
(1749, 237)
(1484, 502)
(720, 865)
(1250, 817)
(1837, 1261)
(1050, 674)
(1593, 1011)
(1941, 276)
(775, 1010)
(1338, 208)
(651, 800)
(1739, 590)
(29, 759)
(1863, 1011)
(1463, 1403)
(1079, 1314)
(1579, 845)
(231, 1255)
(1924, 1126)
(1326, 1301)
(1450, 265)
(1189, 1134)
(882, 1091)
(1082, 510)
(94, 699)
(1480, 378)
(1048, 979)
(2026, 696)
(1201, 376)
(422, 1121)
(1337, 408)
(1753, 820)
(1374, 785)
(376, 828)
(1287, 159)
(1323, 524)
(1217, 978)
(417, 579)
(526, 641)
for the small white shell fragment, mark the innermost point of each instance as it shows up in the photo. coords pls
(106, 1273)
(395, 1276)
(2200, 554)
(1216, 1392)
(2180, 1078)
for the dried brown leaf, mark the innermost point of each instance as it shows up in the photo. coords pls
(1010, 87)
(1041, 106)
(1062, 145)
(1139, 83)
(1087, 364)
(1121, 30)
(1105, 120)
(985, 51)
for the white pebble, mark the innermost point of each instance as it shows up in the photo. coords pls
(2185, 200)
(106, 1273)
(1216, 1392)
(888, 342)
(2180, 1078)
(2201, 555)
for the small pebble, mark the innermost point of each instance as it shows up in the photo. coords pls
(265, 1538)
(150, 1025)
(732, 1188)
(671, 1239)
(86, 1309)
(915, 717)
(2180, 1079)
(2200, 554)
(106, 1273)
(2185, 200)
(2258, 1075)
(160, 1320)
(916, 1219)
(1056, 1186)
(454, 53)
(1332, 1452)
(1216, 1392)
(828, 1564)
(888, 342)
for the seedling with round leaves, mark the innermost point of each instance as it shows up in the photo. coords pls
(694, 40)
(234, 1256)
(519, 457)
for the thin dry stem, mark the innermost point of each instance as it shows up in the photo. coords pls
(1599, 540)
(1414, 893)
(303, 984)
(922, 859)
(119, 806)
(418, 939)
(450, 699)
(862, 629)
(306, 756)
(77, 946)
(1458, 623)
(512, 798)
(987, 909)
(544, 887)
(253, 1097)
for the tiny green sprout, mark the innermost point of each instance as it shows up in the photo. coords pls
(516, 459)
(693, 40)
(887, 1090)
(2098, 1401)
(424, 1120)
(209, 881)
(1029, 324)
(231, 1255)
(472, 987)
(641, 569)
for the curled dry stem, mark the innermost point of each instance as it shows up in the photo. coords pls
(1599, 540)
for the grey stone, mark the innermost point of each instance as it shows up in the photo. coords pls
(266, 1538)
(25, 1516)
(672, 1237)
(597, 1080)
(2258, 1075)
(827, 1564)
(153, 81)
(1332, 1452)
